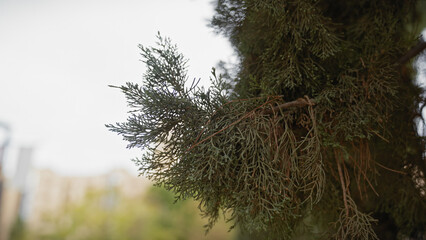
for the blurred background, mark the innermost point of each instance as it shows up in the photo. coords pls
(62, 174)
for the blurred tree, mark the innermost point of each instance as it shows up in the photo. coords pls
(318, 137)
(18, 231)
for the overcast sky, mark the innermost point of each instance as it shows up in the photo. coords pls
(57, 58)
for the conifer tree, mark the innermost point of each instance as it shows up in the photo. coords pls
(315, 137)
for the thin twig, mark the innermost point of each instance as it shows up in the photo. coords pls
(421, 45)
(342, 180)
(230, 125)
(366, 179)
(392, 170)
(300, 102)
(380, 136)
(221, 107)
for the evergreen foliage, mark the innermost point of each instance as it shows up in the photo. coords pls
(318, 136)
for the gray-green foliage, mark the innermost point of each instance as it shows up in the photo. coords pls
(327, 163)
(230, 154)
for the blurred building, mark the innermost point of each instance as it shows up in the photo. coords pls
(9, 211)
(35, 193)
(22, 180)
(4, 141)
(15, 193)
(54, 191)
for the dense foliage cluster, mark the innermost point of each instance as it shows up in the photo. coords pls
(318, 136)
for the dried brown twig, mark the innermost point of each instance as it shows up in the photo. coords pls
(300, 102)
(414, 51)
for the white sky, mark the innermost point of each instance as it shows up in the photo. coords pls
(57, 58)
